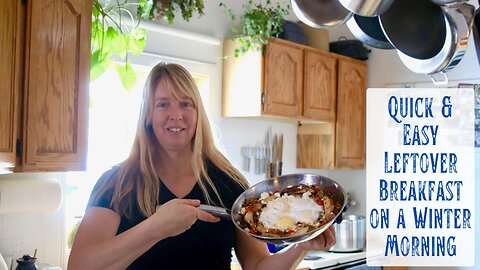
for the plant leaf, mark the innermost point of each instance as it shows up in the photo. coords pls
(137, 41)
(127, 75)
(98, 65)
(145, 9)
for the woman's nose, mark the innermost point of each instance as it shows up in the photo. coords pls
(175, 113)
(176, 117)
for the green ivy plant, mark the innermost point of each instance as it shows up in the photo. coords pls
(257, 24)
(158, 9)
(116, 32)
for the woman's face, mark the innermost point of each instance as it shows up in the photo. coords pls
(173, 120)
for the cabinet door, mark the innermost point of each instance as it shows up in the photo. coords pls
(320, 87)
(11, 31)
(283, 79)
(351, 110)
(56, 90)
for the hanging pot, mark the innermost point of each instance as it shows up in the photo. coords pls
(429, 39)
(448, 2)
(320, 13)
(350, 48)
(367, 7)
(476, 32)
(369, 31)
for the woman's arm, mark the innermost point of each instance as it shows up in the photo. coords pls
(253, 254)
(97, 246)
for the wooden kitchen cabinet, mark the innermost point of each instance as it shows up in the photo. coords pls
(11, 32)
(350, 131)
(340, 144)
(285, 80)
(44, 60)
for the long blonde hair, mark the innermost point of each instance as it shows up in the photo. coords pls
(137, 175)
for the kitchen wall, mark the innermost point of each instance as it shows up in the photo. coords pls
(23, 233)
(200, 41)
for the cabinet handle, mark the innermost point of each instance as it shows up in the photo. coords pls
(19, 146)
(263, 98)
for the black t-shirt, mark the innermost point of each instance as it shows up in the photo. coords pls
(204, 246)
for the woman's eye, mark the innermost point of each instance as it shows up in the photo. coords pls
(186, 104)
(162, 105)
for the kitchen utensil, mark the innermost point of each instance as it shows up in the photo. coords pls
(448, 2)
(294, 32)
(273, 164)
(320, 13)
(367, 7)
(350, 47)
(369, 31)
(476, 32)
(431, 39)
(279, 183)
(415, 27)
(268, 152)
(26, 263)
(280, 155)
(216, 211)
(245, 152)
(350, 234)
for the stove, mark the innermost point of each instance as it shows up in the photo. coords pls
(333, 260)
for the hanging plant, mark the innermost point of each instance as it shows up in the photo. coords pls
(165, 9)
(258, 23)
(116, 32)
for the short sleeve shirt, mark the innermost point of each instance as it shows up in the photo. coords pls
(204, 246)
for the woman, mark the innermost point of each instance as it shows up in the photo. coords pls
(143, 213)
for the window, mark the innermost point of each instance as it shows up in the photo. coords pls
(112, 125)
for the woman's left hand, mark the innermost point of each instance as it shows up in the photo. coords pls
(322, 242)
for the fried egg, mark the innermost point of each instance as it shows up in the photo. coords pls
(284, 212)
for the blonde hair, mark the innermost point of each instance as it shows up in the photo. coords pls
(137, 176)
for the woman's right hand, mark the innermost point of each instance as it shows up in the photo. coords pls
(178, 215)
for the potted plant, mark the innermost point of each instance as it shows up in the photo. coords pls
(116, 31)
(258, 23)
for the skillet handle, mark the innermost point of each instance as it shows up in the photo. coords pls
(439, 83)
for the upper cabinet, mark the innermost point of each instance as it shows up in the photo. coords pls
(351, 115)
(284, 80)
(11, 33)
(45, 59)
(340, 144)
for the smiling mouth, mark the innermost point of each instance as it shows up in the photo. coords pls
(175, 129)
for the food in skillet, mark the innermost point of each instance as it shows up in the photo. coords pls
(292, 211)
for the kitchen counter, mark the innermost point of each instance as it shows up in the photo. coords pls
(322, 259)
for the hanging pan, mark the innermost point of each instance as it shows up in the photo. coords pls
(448, 2)
(369, 31)
(476, 32)
(367, 7)
(430, 39)
(320, 13)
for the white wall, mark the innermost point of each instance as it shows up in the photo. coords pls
(384, 67)
(22, 233)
